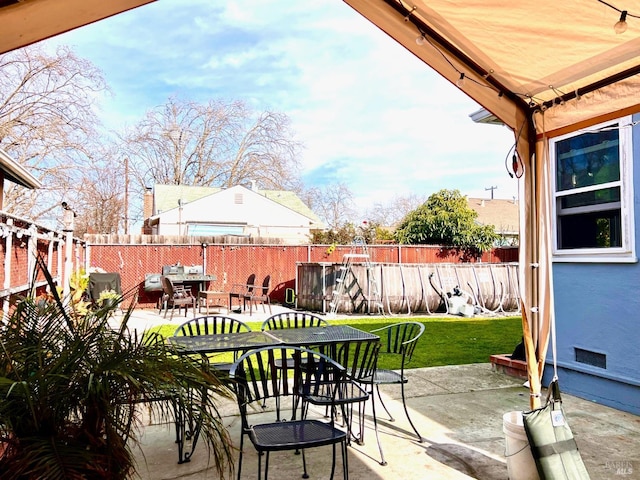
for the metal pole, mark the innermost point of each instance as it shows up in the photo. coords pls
(126, 196)
(67, 220)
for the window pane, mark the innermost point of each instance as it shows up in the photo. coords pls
(596, 197)
(588, 159)
(590, 230)
(204, 230)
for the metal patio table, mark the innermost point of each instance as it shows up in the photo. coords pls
(317, 336)
(326, 338)
(224, 342)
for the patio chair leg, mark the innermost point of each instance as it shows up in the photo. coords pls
(240, 456)
(375, 428)
(391, 419)
(361, 407)
(266, 472)
(304, 464)
(406, 411)
(345, 462)
(333, 463)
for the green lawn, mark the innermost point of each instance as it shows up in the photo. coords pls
(446, 341)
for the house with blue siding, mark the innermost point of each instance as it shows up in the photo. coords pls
(595, 266)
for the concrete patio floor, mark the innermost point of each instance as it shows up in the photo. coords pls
(459, 413)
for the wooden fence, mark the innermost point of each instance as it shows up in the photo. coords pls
(232, 263)
(228, 260)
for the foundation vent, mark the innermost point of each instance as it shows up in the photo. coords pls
(591, 358)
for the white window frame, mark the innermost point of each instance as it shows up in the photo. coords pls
(627, 252)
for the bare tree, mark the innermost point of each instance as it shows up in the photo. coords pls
(392, 212)
(214, 144)
(101, 202)
(333, 203)
(47, 124)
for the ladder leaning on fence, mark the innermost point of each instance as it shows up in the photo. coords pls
(348, 287)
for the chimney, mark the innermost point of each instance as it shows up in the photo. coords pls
(147, 206)
(147, 210)
(254, 186)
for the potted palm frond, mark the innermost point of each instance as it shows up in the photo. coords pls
(70, 387)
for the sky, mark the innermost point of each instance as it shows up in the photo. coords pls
(367, 112)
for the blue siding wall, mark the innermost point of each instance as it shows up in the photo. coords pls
(598, 310)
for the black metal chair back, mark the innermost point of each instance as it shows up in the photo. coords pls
(293, 320)
(360, 359)
(256, 378)
(213, 325)
(400, 339)
(396, 339)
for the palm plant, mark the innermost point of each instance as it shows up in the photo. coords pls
(70, 385)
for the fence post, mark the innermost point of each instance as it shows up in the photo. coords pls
(67, 220)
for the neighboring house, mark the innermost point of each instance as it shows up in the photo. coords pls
(16, 173)
(595, 266)
(502, 214)
(237, 211)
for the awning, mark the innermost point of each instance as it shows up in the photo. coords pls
(28, 21)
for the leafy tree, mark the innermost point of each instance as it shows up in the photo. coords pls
(446, 219)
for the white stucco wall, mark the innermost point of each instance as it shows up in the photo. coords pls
(259, 216)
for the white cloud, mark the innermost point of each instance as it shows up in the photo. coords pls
(369, 113)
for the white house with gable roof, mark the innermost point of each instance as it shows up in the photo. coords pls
(237, 211)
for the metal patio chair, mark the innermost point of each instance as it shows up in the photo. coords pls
(255, 378)
(292, 320)
(399, 339)
(360, 360)
(213, 325)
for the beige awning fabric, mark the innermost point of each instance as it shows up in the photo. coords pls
(544, 68)
(537, 55)
(28, 21)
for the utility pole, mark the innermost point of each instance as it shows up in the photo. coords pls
(126, 196)
(492, 189)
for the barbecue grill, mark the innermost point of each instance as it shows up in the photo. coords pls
(178, 274)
